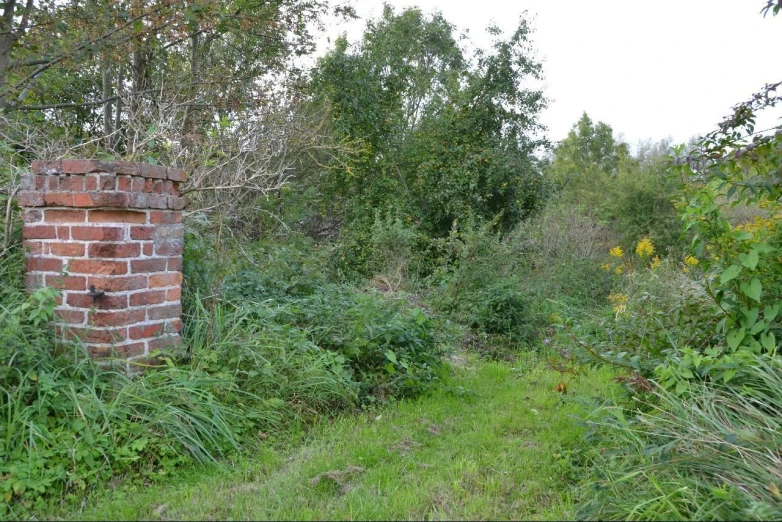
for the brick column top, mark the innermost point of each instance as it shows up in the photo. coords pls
(99, 183)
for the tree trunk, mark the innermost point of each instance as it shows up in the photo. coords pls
(107, 119)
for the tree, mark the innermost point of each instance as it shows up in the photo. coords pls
(587, 150)
(444, 137)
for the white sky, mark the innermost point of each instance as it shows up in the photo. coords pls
(649, 69)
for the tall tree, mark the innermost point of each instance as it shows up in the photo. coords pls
(444, 137)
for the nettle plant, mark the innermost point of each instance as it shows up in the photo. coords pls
(735, 166)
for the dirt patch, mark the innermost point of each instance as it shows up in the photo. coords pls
(339, 477)
(405, 445)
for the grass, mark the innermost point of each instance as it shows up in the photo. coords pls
(492, 443)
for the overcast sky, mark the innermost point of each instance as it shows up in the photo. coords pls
(649, 69)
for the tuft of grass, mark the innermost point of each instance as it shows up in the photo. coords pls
(710, 455)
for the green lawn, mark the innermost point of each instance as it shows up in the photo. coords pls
(492, 444)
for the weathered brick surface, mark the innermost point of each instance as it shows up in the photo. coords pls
(115, 227)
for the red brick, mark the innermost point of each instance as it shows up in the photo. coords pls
(77, 183)
(140, 266)
(145, 331)
(138, 200)
(148, 186)
(152, 171)
(168, 187)
(98, 267)
(31, 199)
(148, 249)
(118, 284)
(39, 232)
(67, 249)
(167, 218)
(157, 186)
(176, 174)
(158, 201)
(42, 166)
(40, 182)
(170, 248)
(131, 350)
(123, 183)
(176, 325)
(161, 343)
(75, 166)
(164, 312)
(147, 298)
(137, 184)
(107, 182)
(32, 280)
(167, 279)
(91, 182)
(58, 199)
(64, 184)
(175, 264)
(71, 316)
(31, 216)
(65, 216)
(98, 233)
(43, 264)
(34, 247)
(106, 302)
(100, 199)
(177, 203)
(117, 216)
(92, 335)
(52, 183)
(174, 294)
(114, 250)
(142, 232)
(115, 318)
(63, 233)
(66, 282)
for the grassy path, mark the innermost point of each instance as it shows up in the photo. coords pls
(492, 445)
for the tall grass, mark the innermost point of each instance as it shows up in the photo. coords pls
(713, 455)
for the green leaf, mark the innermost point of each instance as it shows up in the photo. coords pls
(771, 312)
(759, 327)
(768, 341)
(735, 337)
(391, 356)
(728, 375)
(753, 289)
(750, 316)
(749, 260)
(730, 273)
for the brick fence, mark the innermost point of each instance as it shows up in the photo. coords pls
(108, 234)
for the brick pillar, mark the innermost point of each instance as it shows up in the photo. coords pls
(108, 234)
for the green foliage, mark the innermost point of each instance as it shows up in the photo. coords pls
(66, 422)
(388, 348)
(631, 193)
(711, 456)
(444, 138)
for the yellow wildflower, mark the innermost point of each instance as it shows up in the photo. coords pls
(691, 260)
(655, 262)
(606, 267)
(616, 252)
(645, 248)
(619, 301)
(618, 270)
